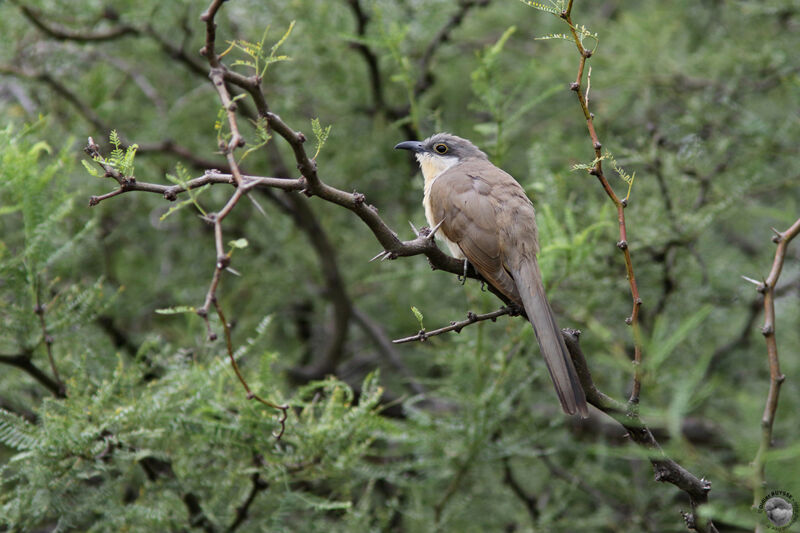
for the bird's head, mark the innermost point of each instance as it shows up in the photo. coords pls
(439, 152)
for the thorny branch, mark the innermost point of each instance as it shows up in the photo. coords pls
(309, 183)
(597, 170)
(294, 205)
(776, 378)
(423, 335)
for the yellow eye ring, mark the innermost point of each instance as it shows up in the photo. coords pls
(440, 148)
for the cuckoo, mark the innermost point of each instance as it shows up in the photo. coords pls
(485, 217)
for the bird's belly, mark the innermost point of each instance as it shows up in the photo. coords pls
(455, 250)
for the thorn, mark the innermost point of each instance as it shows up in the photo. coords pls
(574, 86)
(384, 252)
(751, 280)
(256, 204)
(414, 228)
(433, 230)
(233, 271)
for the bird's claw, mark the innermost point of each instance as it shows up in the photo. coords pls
(463, 279)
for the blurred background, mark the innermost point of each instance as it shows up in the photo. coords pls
(461, 433)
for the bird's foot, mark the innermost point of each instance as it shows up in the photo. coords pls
(463, 278)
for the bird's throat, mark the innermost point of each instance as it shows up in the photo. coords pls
(432, 166)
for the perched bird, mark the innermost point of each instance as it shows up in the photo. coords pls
(485, 218)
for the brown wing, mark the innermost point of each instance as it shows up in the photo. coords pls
(465, 198)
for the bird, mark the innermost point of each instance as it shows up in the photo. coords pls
(484, 217)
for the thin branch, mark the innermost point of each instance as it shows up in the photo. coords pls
(223, 259)
(426, 77)
(61, 33)
(24, 362)
(155, 468)
(62, 90)
(39, 309)
(257, 485)
(597, 170)
(370, 58)
(284, 409)
(530, 502)
(171, 192)
(776, 378)
(472, 318)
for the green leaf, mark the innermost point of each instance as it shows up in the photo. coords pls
(541, 7)
(320, 133)
(238, 243)
(91, 169)
(16, 432)
(176, 310)
(418, 316)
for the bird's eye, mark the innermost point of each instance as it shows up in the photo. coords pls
(441, 148)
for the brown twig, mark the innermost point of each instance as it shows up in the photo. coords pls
(776, 378)
(40, 309)
(423, 335)
(597, 170)
(171, 192)
(284, 409)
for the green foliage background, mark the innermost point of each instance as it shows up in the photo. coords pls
(698, 98)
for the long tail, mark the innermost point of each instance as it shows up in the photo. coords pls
(528, 279)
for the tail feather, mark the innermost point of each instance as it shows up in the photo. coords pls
(551, 343)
